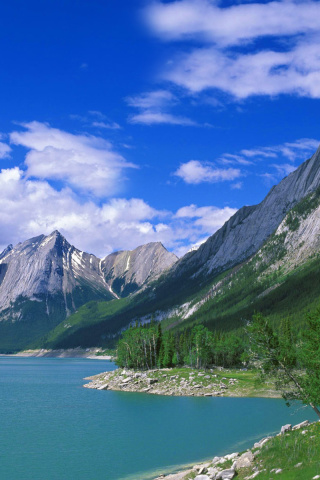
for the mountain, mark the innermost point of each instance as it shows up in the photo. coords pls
(245, 232)
(126, 271)
(45, 279)
(264, 258)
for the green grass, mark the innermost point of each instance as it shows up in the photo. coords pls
(286, 451)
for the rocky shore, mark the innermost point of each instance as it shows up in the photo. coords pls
(179, 382)
(64, 353)
(246, 466)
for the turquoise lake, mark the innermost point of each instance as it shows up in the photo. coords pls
(54, 429)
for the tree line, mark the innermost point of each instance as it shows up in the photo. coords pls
(145, 347)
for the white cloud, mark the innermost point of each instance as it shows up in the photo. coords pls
(84, 162)
(152, 100)
(31, 207)
(242, 75)
(299, 149)
(203, 19)
(208, 217)
(109, 126)
(152, 118)
(284, 168)
(225, 64)
(195, 172)
(153, 109)
(4, 150)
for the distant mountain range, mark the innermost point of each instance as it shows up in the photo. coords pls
(265, 257)
(45, 279)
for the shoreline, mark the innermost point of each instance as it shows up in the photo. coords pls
(246, 465)
(88, 353)
(184, 382)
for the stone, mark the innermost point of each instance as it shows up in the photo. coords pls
(300, 425)
(316, 477)
(254, 475)
(286, 428)
(212, 472)
(151, 381)
(218, 460)
(202, 470)
(298, 465)
(127, 380)
(231, 456)
(261, 442)
(279, 470)
(245, 460)
(228, 474)
(104, 387)
(202, 477)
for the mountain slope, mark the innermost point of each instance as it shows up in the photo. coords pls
(281, 246)
(127, 271)
(244, 233)
(45, 279)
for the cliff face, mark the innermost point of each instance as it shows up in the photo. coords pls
(47, 266)
(128, 270)
(245, 232)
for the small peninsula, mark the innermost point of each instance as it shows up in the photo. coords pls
(185, 381)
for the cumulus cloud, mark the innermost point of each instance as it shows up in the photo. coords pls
(230, 59)
(4, 150)
(153, 109)
(84, 162)
(195, 172)
(30, 207)
(211, 217)
(181, 20)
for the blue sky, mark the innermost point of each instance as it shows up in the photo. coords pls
(129, 122)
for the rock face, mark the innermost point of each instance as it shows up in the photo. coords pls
(44, 279)
(245, 232)
(127, 271)
(46, 267)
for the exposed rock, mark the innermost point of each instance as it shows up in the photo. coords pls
(228, 474)
(127, 271)
(245, 460)
(286, 428)
(301, 425)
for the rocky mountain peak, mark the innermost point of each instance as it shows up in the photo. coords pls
(126, 271)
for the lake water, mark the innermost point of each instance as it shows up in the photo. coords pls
(54, 429)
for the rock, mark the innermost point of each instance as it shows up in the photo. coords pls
(245, 460)
(254, 475)
(316, 477)
(104, 387)
(126, 380)
(212, 472)
(300, 425)
(231, 456)
(261, 442)
(298, 465)
(202, 477)
(217, 460)
(202, 470)
(286, 428)
(151, 381)
(279, 470)
(228, 474)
